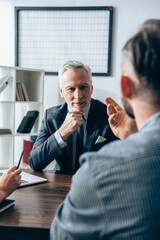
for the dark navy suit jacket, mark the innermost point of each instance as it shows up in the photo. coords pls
(46, 148)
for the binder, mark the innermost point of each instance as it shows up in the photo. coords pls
(33, 115)
(27, 147)
(28, 122)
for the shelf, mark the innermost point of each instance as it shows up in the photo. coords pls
(6, 135)
(28, 102)
(25, 134)
(6, 101)
(13, 111)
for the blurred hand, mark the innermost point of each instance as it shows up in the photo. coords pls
(9, 181)
(73, 120)
(121, 124)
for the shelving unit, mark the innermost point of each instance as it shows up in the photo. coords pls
(12, 111)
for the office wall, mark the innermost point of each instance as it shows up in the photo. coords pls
(128, 16)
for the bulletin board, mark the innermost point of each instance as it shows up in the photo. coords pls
(47, 37)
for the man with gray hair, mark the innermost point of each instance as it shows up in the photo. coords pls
(116, 192)
(79, 125)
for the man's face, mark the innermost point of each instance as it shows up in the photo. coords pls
(76, 88)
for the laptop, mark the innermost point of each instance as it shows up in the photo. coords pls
(28, 179)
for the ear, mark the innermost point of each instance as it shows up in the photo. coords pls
(126, 87)
(61, 93)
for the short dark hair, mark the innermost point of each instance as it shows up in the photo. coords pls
(143, 51)
(153, 23)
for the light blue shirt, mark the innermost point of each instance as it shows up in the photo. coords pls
(115, 194)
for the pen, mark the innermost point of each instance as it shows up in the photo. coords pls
(20, 160)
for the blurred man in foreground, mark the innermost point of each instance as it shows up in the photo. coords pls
(115, 194)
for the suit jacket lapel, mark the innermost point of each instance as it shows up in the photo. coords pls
(62, 115)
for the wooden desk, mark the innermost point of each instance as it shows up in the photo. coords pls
(34, 209)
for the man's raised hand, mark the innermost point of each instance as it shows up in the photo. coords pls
(121, 124)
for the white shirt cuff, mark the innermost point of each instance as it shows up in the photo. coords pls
(60, 141)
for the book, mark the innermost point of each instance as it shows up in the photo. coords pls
(28, 122)
(19, 88)
(17, 95)
(21, 92)
(33, 115)
(5, 131)
(6, 203)
(25, 94)
(27, 147)
(33, 138)
(24, 126)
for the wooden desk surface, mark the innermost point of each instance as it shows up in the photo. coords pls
(35, 208)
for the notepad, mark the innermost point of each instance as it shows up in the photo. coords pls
(5, 204)
(28, 179)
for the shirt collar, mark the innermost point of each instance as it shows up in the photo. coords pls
(151, 122)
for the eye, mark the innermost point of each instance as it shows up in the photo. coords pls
(70, 89)
(83, 87)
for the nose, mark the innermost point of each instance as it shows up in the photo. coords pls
(78, 93)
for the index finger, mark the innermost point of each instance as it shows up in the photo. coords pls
(18, 171)
(111, 110)
(109, 100)
(78, 112)
(13, 169)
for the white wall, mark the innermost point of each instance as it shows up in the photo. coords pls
(128, 16)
